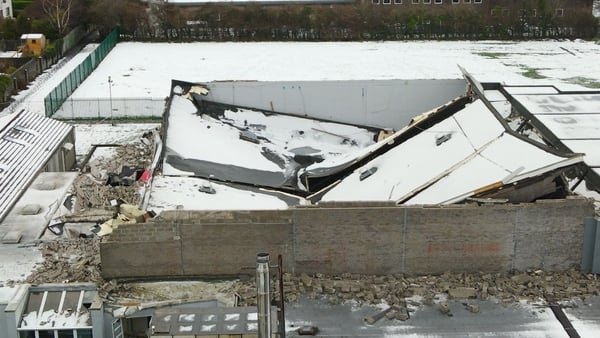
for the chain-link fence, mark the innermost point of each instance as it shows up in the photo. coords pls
(115, 108)
(67, 86)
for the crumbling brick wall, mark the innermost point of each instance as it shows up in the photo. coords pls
(376, 238)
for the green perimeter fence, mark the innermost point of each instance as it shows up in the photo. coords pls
(58, 95)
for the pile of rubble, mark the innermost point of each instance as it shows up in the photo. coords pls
(78, 260)
(93, 194)
(532, 285)
(93, 189)
(68, 261)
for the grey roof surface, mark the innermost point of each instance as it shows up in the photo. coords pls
(494, 319)
(18, 260)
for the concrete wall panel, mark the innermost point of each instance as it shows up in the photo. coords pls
(376, 103)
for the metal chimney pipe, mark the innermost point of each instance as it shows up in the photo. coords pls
(263, 299)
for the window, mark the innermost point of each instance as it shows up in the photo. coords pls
(375, 2)
(46, 334)
(477, 1)
(84, 333)
(69, 311)
(534, 13)
(467, 1)
(398, 2)
(427, 2)
(387, 2)
(438, 2)
(66, 334)
(33, 41)
(494, 12)
(560, 12)
(505, 12)
(415, 1)
(455, 2)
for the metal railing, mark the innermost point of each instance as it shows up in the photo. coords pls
(54, 100)
(110, 108)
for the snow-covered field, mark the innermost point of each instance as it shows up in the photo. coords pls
(144, 70)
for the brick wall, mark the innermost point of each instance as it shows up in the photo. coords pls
(377, 238)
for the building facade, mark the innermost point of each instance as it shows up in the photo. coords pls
(6, 9)
(498, 7)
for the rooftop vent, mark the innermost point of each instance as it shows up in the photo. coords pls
(207, 187)
(367, 173)
(441, 139)
(12, 237)
(249, 136)
(30, 209)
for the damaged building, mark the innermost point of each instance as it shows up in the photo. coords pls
(481, 181)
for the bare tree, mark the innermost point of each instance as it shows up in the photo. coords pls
(59, 13)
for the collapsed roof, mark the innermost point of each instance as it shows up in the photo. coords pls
(463, 149)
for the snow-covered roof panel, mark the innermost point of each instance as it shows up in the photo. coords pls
(572, 126)
(421, 160)
(480, 172)
(494, 95)
(478, 124)
(188, 193)
(269, 148)
(496, 163)
(561, 104)
(521, 90)
(591, 149)
(478, 153)
(193, 136)
(27, 142)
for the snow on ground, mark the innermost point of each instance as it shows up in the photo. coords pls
(32, 98)
(145, 69)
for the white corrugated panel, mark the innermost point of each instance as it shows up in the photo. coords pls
(27, 142)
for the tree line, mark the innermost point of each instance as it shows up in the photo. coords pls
(160, 21)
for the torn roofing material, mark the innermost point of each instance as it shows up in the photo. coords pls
(449, 162)
(27, 142)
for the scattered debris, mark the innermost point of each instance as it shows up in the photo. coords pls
(126, 214)
(376, 317)
(307, 330)
(533, 285)
(474, 308)
(207, 187)
(445, 309)
(68, 261)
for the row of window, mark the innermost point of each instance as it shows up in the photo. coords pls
(522, 12)
(494, 12)
(426, 2)
(70, 333)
